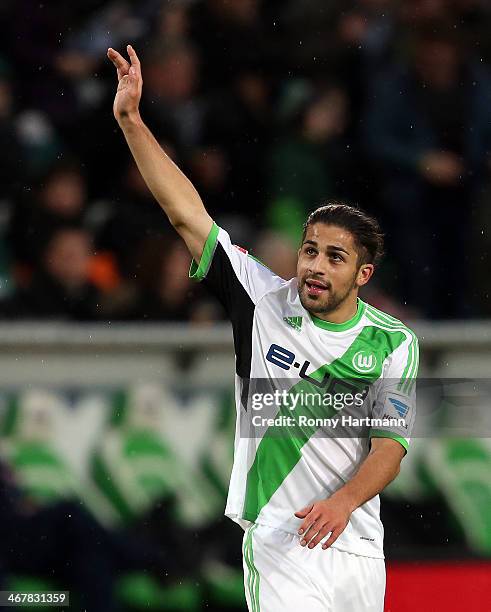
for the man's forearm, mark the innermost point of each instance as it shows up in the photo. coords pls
(375, 473)
(332, 515)
(171, 188)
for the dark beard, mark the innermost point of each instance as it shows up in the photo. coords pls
(334, 302)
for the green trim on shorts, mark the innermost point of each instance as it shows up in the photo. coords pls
(253, 574)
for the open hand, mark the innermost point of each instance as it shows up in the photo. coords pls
(130, 83)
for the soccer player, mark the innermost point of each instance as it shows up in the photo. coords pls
(306, 497)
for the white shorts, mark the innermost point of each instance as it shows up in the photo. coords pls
(281, 575)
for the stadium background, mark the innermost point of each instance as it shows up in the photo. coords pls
(116, 414)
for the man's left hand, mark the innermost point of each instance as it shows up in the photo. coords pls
(329, 515)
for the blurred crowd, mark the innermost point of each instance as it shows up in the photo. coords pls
(271, 108)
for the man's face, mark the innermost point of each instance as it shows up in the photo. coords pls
(327, 270)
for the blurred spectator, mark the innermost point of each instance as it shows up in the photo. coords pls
(308, 35)
(170, 102)
(471, 20)
(240, 122)
(59, 199)
(312, 162)
(45, 69)
(432, 144)
(39, 144)
(173, 22)
(10, 148)
(365, 39)
(416, 12)
(348, 39)
(60, 287)
(210, 168)
(134, 217)
(164, 289)
(231, 36)
(278, 253)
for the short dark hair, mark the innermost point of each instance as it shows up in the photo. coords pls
(369, 239)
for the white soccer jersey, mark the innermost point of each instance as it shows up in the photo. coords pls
(290, 368)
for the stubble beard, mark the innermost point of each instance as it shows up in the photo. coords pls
(333, 302)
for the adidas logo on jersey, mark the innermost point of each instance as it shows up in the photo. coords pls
(295, 322)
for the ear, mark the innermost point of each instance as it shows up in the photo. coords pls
(365, 273)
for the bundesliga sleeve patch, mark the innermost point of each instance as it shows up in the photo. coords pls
(245, 251)
(398, 407)
(401, 408)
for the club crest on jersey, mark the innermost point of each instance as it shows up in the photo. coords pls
(295, 322)
(364, 362)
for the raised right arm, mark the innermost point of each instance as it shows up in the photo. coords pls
(170, 187)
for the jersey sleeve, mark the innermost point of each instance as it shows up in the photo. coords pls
(396, 394)
(231, 273)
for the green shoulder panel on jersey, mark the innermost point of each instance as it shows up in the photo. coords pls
(199, 271)
(386, 321)
(281, 447)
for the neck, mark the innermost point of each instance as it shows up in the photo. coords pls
(344, 312)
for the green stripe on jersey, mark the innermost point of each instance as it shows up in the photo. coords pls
(411, 370)
(252, 574)
(281, 447)
(199, 271)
